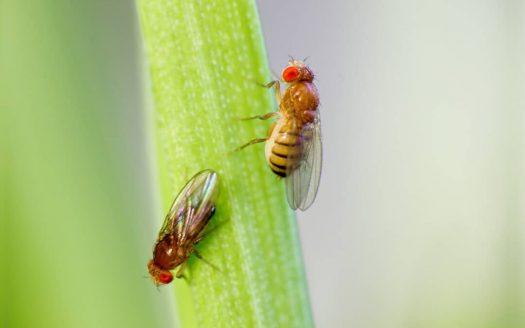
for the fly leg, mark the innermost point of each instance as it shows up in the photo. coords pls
(277, 85)
(258, 140)
(251, 142)
(199, 256)
(261, 117)
(180, 272)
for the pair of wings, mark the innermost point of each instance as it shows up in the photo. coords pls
(302, 179)
(192, 209)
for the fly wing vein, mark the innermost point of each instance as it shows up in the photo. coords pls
(192, 208)
(302, 181)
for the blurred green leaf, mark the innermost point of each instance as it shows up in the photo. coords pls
(78, 209)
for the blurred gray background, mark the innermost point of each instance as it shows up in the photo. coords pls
(419, 217)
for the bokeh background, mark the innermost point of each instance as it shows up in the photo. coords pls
(419, 221)
(419, 217)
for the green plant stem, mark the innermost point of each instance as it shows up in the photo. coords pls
(205, 60)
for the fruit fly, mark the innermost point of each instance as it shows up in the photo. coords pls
(183, 227)
(293, 144)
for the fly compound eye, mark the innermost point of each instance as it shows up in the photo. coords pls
(165, 277)
(290, 73)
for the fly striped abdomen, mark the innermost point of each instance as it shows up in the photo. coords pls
(283, 148)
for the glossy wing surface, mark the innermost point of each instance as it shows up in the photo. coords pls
(192, 208)
(303, 175)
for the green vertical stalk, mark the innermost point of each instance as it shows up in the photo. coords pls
(205, 58)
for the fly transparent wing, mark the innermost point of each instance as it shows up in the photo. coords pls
(303, 174)
(192, 208)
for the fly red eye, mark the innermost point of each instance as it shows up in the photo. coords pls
(165, 277)
(290, 73)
